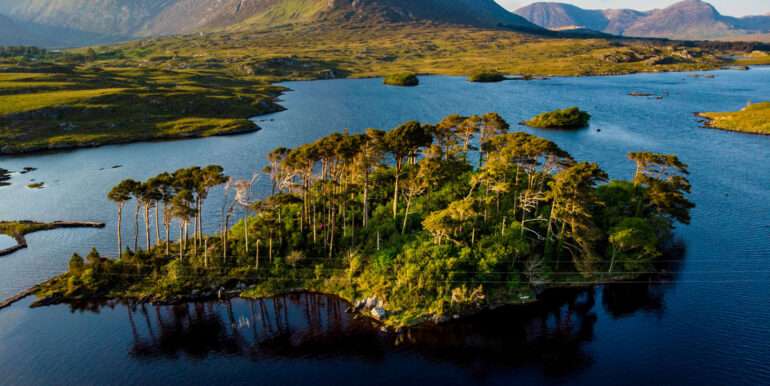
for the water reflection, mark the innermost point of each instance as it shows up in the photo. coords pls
(306, 325)
(549, 335)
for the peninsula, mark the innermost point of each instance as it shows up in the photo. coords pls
(754, 119)
(211, 82)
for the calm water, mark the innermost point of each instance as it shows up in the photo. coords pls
(6, 242)
(710, 325)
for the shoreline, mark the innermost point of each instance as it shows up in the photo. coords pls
(710, 123)
(279, 108)
(164, 138)
(361, 308)
(22, 241)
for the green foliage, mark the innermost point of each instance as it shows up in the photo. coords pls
(486, 77)
(405, 79)
(457, 239)
(76, 263)
(571, 118)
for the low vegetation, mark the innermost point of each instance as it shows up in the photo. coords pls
(188, 86)
(402, 215)
(406, 80)
(754, 118)
(486, 77)
(571, 118)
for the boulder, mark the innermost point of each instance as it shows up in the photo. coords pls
(379, 313)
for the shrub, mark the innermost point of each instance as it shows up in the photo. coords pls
(572, 118)
(76, 263)
(486, 77)
(405, 80)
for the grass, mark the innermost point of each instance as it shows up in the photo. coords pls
(27, 102)
(15, 228)
(753, 118)
(186, 86)
(100, 105)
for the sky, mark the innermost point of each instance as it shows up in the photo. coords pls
(725, 7)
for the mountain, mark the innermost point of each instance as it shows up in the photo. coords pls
(12, 34)
(689, 19)
(125, 19)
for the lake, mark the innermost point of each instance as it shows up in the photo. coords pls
(709, 325)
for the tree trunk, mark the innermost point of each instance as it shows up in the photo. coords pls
(315, 220)
(246, 230)
(157, 222)
(331, 239)
(406, 215)
(257, 259)
(147, 224)
(366, 199)
(181, 248)
(167, 227)
(120, 241)
(136, 227)
(395, 197)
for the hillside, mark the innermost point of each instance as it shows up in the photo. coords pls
(689, 19)
(13, 34)
(101, 21)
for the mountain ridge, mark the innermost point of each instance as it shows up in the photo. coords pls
(126, 19)
(688, 19)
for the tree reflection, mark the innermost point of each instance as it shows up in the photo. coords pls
(550, 335)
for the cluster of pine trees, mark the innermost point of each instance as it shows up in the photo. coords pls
(406, 215)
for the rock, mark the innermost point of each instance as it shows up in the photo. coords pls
(221, 292)
(379, 313)
(195, 294)
(349, 310)
(240, 287)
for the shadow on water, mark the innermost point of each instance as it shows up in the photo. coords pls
(549, 335)
(626, 299)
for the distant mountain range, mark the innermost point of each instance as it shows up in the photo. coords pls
(689, 19)
(86, 22)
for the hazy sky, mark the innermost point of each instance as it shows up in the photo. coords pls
(725, 7)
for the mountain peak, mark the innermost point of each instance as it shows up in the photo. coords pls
(126, 19)
(687, 19)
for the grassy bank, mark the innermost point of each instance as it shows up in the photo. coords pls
(192, 86)
(753, 119)
(18, 229)
(89, 106)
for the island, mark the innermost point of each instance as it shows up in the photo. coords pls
(17, 230)
(486, 77)
(571, 118)
(404, 80)
(187, 86)
(400, 223)
(754, 119)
